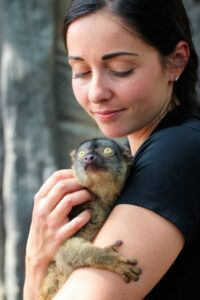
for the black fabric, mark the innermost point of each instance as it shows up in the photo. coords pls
(165, 178)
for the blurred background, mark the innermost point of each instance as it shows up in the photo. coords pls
(40, 121)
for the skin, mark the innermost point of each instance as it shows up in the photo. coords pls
(120, 82)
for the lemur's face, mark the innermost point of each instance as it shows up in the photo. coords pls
(99, 155)
(100, 165)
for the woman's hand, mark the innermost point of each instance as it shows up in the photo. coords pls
(50, 226)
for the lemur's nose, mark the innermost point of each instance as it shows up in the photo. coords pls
(89, 158)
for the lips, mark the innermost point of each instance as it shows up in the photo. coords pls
(107, 115)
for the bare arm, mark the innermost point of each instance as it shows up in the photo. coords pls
(151, 239)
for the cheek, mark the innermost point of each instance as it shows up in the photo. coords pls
(138, 91)
(80, 94)
(143, 90)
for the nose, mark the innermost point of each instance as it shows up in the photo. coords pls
(89, 158)
(99, 89)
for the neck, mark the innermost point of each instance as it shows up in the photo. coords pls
(137, 138)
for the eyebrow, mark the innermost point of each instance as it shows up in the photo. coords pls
(116, 54)
(71, 57)
(106, 56)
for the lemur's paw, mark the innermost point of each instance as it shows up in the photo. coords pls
(126, 267)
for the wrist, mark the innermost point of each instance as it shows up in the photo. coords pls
(34, 275)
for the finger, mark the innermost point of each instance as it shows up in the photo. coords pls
(52, 180)
(65, 206)
(58, 191)
(70, 228)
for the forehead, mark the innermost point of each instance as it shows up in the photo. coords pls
(99, 33)
(98, 143)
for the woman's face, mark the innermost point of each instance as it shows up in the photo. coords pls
(116, 76)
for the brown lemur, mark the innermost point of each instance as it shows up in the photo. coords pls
(102, 166)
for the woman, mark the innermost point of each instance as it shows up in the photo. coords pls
(134, 71)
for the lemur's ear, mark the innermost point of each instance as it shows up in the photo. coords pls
(126, 152)
(73, 155)
(127, 155)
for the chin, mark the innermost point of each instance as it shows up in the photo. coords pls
(113, 133)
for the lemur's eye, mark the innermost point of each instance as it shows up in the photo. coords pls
(108, 151)
(81, 154)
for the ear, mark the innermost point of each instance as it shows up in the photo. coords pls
(72, 155)
(127, 155)
(178, 60)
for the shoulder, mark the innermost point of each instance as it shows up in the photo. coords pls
(171, 153)
(176, 146)
(174, 139)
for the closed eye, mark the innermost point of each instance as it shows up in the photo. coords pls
(114, 73)
(81, 75)
(121, 74)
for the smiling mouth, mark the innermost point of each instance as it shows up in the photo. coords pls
(107, 115)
